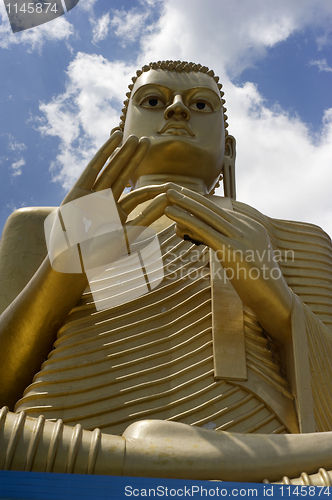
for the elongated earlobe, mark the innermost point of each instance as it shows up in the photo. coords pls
(228, 171)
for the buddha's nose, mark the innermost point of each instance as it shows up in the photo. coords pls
(177, 109)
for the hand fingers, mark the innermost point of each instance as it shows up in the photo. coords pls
(236, 219)
(74, 194)
(146, 193)
(122, 180)
(140, 195)
(205, 214)
(224, 213)
(152, 213)
(116, 164)
(90, 173)
(196, 229)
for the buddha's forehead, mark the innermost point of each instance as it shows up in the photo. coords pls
(176, 81)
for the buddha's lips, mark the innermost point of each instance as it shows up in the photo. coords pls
(177, 125)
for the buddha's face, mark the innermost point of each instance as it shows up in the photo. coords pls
(181, 113)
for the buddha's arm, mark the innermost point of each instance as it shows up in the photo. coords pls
(29, 324)
(158, 449)
(258, 280)
(234, 237)
(22, 250)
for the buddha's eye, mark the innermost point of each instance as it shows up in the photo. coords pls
(202, 106)
(152, 102)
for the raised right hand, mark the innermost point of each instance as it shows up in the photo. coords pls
(116, 173)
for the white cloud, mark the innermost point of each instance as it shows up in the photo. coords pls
(100, 28)
(34, 38)
(17, 167)
(151, 3)
(282, 169)
(231, 35)
(83, 116)
(86, 5)
(13, 145)
(14, 157)
(129, 25)
(12, 206)
(324, 39)
(322, 65)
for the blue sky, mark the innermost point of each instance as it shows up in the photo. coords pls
(63, 83)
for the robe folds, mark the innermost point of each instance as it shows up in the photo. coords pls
(190, 351)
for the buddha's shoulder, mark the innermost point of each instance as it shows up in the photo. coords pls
(276, 226)
(24, 228)
(24, 232)
(31, 214)
(26, 222)
(22, 249)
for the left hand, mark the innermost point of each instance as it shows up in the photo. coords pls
(244, 249)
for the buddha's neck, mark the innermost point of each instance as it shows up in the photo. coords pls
(193, 183)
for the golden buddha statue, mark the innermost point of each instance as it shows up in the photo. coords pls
(222, 371)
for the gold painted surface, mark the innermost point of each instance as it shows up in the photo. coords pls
(229, 354)
(153, 359)
(256, 347)
(310, 274)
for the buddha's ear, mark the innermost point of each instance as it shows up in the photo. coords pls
(230, 148)
(229, 167)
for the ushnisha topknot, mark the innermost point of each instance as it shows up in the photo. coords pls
(174, 66)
